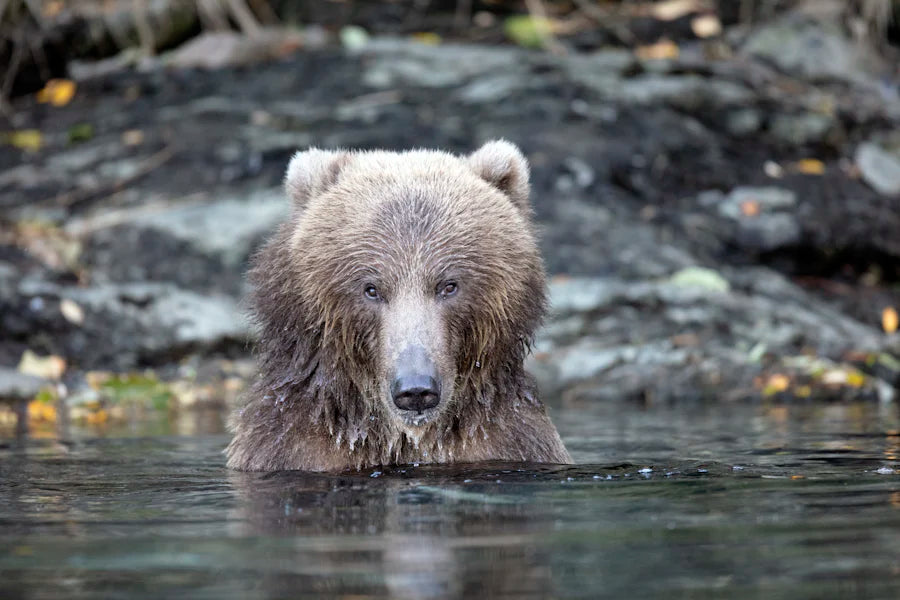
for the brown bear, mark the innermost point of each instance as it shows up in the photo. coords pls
(395, 309)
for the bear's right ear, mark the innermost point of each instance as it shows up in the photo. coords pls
(502, 165)
(311, 172)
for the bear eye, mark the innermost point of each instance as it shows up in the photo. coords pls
(447, 289)
(371, 292)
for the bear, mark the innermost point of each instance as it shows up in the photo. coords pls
(394, 309)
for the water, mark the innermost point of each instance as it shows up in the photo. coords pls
(705, 501)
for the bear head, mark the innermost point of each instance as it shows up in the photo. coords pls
(404, 287)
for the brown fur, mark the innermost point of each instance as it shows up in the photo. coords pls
(408, 221)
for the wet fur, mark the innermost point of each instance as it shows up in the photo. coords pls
(317, 403)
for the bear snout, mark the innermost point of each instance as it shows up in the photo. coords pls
(416, 383)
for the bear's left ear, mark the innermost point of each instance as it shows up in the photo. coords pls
(501, 164)
(311, 172)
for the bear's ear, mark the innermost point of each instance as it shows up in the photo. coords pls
(501, 164)
(312, 172)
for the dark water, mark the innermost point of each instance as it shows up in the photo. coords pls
(668, 502)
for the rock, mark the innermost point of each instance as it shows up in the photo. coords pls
(125, 325)
(800, 129)
(15, 386)
(688, 92)
(879, 168)
(212, 239)
(763, 218)
(815, 50)
(217, 49)
(396, 62)
(615, 338)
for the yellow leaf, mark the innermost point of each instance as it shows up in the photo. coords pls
(26, 139)
(810, 166)
(39, 411)
(776, 384)
(803, 391)
(706, 26)
(661, 50)
(855, 379)
(48, 367)
(427, 37)
(798, 476)
(57, 92)
(889, 319)
(96, 418)
(779, 382)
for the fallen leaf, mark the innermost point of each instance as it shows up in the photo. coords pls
(773, 169)
(353, 37)
(41, 411)
(856, 379)
(810, 166)
(889, 319)
(51, 8)
(80, 132)
(47, 367)
(25, 139)
(661, 50)
(97, 417)
(706, 26)
(834, 377)
(750, 208)
(528, 31)
(133, 137)
(674, 9)
(427, 37)
(71, 311)
(57, 92)
(798, 476)
(779, 382)
(699, 277)
(803, 391)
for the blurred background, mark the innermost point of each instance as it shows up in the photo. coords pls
(717, 184)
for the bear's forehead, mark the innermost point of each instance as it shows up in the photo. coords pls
(423, 216)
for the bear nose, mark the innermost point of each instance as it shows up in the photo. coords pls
(415, 392)
(415, 385)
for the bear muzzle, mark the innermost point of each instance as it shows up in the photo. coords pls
(416, 383)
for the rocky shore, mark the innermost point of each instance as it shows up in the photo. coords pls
(718, 224)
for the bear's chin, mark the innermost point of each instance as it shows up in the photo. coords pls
(412, 418)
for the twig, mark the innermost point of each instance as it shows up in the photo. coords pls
(78, 197)
(245, 19)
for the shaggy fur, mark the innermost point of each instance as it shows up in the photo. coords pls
(406, 223)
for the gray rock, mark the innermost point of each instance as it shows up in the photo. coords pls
(16, 386)
(125, 325)
(395, 62)
(769, 199)
(688, 92)
(629, 334)
(800, 129)
(212, 239)
(811, 49)
(774, 225)
(880, 168)
(744, 121)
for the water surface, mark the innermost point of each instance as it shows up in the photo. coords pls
(705, 501)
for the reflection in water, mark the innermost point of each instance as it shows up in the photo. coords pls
(703, 501)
